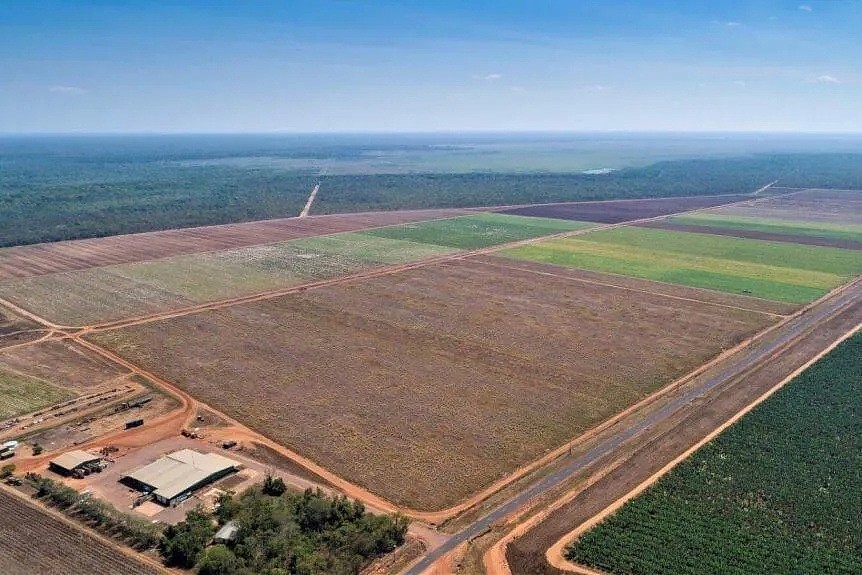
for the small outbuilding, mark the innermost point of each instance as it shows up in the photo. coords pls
(172, 478)
(75, 462)
(227, 534)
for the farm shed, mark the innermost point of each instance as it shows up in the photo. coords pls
(72, 461)
(227, 534)
(172, 478)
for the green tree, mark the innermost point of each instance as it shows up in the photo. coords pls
(183, 543)
(274, 486)
(218, 560)
(7, 470)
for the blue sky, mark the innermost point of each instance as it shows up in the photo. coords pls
(357, 65)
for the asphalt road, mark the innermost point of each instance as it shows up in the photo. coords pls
(742, 361)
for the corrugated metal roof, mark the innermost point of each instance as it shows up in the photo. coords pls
(178, 472)
(74, 458)
(227, 532)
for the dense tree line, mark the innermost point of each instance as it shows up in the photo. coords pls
(281, 533)
(57, 194)
(134, 531)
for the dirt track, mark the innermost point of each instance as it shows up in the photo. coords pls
(665, 441)
(696, 404)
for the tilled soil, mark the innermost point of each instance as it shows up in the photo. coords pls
(427, 385)
(49, 258)
(613, 212)
(526, 555)
(33, 542)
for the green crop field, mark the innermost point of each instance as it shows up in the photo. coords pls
(778, 492)
(771, 270)
(20, 394)
(114, 292)
(372, 248)
(772, 225)
(478, 230)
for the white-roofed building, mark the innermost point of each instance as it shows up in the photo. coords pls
(172, 478)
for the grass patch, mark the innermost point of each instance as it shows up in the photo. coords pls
(776, 226)
(370, 248)
(477, 230)
(770, 270)
(20, 394)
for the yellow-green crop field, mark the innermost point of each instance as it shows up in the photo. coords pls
(771, 270)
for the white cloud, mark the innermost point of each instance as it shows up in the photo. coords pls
(517, 89)
(806, 8)
(488, 77)
(69, 90)
(593, 88)
(733, 24)
(827, 79)
(739, 83)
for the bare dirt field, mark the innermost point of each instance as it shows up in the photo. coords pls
(33, 542)
(41, 259)
(612, 212)
(15, 329)
(63, 364)
(427, 385)
(527, 554)
(756, 235)
(826, 206)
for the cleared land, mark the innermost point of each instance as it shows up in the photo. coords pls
(21, 394)
(477, 231)
(777, 492)
(61, 364)
(41, 259)
(428, 384)
(845, 236)
(622, 211)
(825, 206)
(771, 270)
(33, 542)
(663, 443)
(98, 295)
(15, 329)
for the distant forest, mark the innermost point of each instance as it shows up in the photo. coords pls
(49, 198)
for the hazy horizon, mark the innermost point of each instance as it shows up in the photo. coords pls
(102, 66)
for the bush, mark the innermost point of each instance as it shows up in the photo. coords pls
(7, 470)
(274, 486)
(218, 560)
(182, 544)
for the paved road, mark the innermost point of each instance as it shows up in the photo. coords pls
(742, 361)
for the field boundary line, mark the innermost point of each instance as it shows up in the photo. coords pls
(381, 271)
(636, 290)
(83, 529)
(239, 247)
(554, 554)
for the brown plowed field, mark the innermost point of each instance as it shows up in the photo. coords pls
(756, 235)
(426, 385)
(63, 364)
(830, 206)
(612, 212)
(526, 555)
(41, 259)
(34, 542)
(15, 329)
